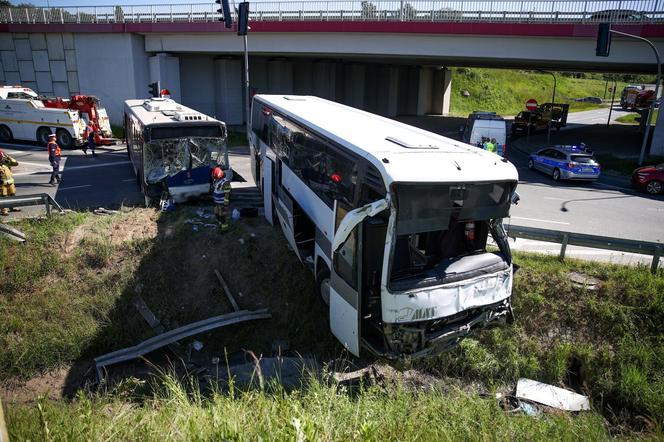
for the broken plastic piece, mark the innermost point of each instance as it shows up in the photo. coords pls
(551, 396)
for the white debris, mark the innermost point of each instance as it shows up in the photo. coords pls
(551, 396)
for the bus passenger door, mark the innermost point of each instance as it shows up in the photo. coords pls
(345, 276)
(268, 185)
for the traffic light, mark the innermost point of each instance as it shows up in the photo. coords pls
(154, 89)
(225, 10)
(243, 18)
(603, 40)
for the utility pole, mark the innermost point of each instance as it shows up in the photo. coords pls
(553, 100)
(242, 30)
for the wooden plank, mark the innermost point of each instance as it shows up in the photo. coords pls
(229, 295)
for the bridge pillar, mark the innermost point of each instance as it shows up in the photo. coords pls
(165, 68)
(446, 83)
(303, 80)
(425, 90)
(229, 90)
(325, 79)
(280, 76)
(387, 80)
(354, 85)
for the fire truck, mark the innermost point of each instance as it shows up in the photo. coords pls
(636, 97)
(25, 115)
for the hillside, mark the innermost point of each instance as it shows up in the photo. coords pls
(506, 91)
(67, 295)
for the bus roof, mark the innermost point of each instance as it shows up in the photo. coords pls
(401, 153)
(158, 111)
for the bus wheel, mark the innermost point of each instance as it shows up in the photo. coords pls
(5, 134)
(323, 284)
(42, 135)
(65, 140)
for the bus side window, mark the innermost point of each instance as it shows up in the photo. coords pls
(341, 174)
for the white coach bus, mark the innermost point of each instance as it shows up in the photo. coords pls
(392, 220)
(173, 148)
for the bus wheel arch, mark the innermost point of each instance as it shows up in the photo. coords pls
(323, 281)
(6, 134)
(65, 139)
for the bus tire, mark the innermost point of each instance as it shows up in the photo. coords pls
(42, 135)
(323, 284)
(6, 134)
(65, 140)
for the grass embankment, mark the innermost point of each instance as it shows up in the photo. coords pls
(631, 118)
(65, 296)
(506, 91)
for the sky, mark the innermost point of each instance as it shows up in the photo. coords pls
(108, 2)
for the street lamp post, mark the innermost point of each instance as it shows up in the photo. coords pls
(553, 100)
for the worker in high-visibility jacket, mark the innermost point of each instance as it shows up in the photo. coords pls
(221, 195)
(7, 187)
(54, 159)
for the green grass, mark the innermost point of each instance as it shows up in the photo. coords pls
(631, 118)
(506, 91)
(317, 412)
(624, 165)
(58, 307)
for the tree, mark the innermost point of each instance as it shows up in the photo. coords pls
(119, 14)
(368, 10)
(5, 3)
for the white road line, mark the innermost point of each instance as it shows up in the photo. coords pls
(74, 187)
(555, 199)
(541, 220)
(92, 166)
(20, 163)
(129, 180)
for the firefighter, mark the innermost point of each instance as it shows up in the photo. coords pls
(7, 187)
(221, 195)
(54, 159)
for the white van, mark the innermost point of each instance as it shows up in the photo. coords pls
(485, 125)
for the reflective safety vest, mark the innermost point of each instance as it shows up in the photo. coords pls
(53, 148)
(6, 177)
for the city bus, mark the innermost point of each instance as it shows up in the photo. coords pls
(392, 220)
(173, 148)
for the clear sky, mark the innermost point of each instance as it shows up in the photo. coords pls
(107, 2)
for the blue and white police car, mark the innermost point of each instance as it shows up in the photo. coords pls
(565, 163)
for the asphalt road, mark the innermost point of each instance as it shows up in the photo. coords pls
(595, 208)
(595, 116)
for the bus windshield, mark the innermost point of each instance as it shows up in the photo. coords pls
(168, 156)
(438, 224)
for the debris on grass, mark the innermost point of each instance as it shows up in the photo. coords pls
(549, 395)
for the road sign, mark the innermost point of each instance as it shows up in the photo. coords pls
(531, 104)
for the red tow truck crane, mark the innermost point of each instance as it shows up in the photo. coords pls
(91, 112)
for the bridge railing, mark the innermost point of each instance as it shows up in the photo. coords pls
(486, 11)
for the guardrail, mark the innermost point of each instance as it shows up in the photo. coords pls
(31, 200)
(486, 11)
(656, 250)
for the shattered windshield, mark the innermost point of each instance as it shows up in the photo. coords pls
(167, 157)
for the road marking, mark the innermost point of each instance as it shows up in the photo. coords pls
(555, 199)
(92, 166)
(541, 220)
(129, 180)
(75, 187)
(34, 164)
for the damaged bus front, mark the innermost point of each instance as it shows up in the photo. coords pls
(173, 148)
(428, 276)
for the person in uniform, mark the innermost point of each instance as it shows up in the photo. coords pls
(54, 159)
(221, 195)
(7, 187)
(91, 140)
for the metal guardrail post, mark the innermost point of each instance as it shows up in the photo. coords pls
(47, 204)
(655, 260)
(563, 247)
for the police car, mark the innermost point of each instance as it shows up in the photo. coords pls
(565, 163)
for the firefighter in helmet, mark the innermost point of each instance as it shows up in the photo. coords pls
(221, 195)
(7, 187)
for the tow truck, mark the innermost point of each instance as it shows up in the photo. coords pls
(26, 115)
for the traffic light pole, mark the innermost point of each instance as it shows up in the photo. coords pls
(247, 103)
(642, 157)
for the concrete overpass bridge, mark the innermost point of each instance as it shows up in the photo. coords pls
(388, 57)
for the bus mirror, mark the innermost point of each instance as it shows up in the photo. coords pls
(516, 198)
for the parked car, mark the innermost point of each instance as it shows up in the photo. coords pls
(649, 178)
(565, 163)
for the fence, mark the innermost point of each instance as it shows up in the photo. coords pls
(656, 250)
(31, 200)
(491, 11)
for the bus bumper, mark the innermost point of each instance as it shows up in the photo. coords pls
(181, 194)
